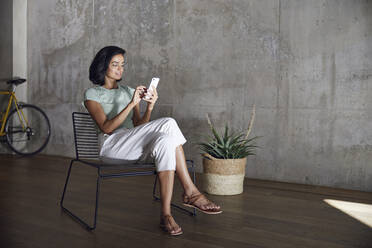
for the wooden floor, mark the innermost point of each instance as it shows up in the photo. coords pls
(267, 214)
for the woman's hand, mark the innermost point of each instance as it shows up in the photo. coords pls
(138, 94)
(152, 97)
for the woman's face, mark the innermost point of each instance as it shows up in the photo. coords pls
(116, 67)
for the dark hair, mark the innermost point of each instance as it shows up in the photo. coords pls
(100, 63)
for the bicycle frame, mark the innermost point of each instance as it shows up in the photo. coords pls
(12, 98)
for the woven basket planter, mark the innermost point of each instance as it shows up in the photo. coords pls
(223, 176)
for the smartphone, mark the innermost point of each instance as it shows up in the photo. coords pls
(154, 82)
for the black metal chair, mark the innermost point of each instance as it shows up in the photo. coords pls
(87, 152)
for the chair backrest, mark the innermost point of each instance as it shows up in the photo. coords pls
(85, 135)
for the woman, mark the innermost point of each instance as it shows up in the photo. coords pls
(130, 136)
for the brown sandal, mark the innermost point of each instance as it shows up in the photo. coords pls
(190, 201)
(166, 228)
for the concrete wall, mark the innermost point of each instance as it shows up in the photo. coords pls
(306, 64)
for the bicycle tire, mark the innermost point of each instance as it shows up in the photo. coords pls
(31, 139)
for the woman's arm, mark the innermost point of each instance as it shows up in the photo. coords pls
(106, 125)
(137, 119)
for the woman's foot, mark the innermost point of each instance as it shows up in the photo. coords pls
(169, 225)
(200, 202)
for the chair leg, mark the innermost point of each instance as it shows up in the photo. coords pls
(74, 216)
(154, 188)
(193, 179)
(67, 179)
(97, 196)
(156, 198)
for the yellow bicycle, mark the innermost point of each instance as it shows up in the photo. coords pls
(26, 128)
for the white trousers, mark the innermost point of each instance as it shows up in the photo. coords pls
(155, 141)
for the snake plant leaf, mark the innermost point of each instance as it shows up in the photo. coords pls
(229, 145)
(225, 137)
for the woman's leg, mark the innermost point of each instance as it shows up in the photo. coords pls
(183, 173)
(188, 185)
(166, 180)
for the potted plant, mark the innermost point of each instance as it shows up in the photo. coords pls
(225, 157)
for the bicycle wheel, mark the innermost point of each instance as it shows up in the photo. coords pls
(27, 133)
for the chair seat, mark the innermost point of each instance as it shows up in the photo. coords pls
(117, 164)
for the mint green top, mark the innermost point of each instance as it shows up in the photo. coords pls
(113, 101)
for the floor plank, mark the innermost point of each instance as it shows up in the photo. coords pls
(267, 214)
